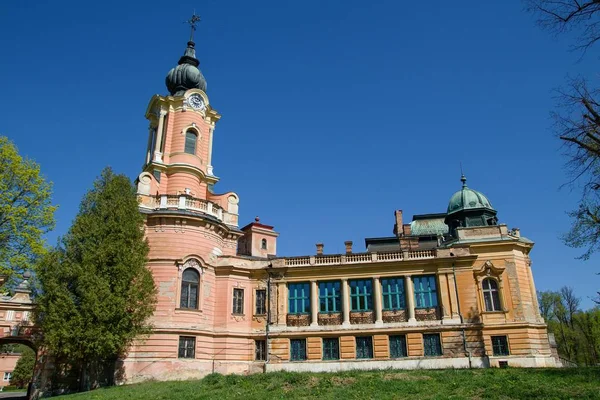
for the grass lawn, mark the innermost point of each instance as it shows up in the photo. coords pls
(573, 383)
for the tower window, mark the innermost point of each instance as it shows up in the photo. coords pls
(491, 295)
(187, 347)
(263, 244)
(190, 142)
(189, 289)
(238, 301)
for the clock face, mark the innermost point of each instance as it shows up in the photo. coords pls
(196, 102)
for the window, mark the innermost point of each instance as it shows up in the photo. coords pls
(364, 347)
(298, 298)
(10, 315)
(329, 297)
(238, 301)
(260, 350)
(263, 244)
(187, 347)
(25, 315)
(491, 295)
(425, 291)
(500, 346)
(261, 302)
(190, 142)
(298, 349)
(360, 295)
(189, 289)
(392, 290)
(7, 376)
(331, 349)
(398, 346)
(432, 345)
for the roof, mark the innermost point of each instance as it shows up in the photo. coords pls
(468, 199)
(428, 225)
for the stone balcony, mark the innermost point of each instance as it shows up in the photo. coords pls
(188, 203)
(355, 258)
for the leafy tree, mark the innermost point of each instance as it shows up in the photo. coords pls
(24, 369)
(26, 212)
(97, 294)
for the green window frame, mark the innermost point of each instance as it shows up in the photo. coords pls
(500, 346)
(393, 293)
(364, 347)
(297, 349)
(432, 345)
(361, 294)
(330, 299)
(299, 298)
(398, 346)
(425, 288)
(191, 138)
(331, 348)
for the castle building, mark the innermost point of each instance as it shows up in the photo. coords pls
(452, 289)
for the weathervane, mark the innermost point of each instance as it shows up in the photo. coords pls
(193, 21)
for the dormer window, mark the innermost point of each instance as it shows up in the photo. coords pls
(263, 244)
(191, 138)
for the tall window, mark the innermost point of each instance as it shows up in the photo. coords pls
(500, 346)
(190, 142)
(298, 349)
(10, 315)
(361, 298)
(490, 295)
(329, 297)
(263, 244)
(261, 302)
(392, 290)
(189, 289)
(298, 298)
(432, 345)
(187, 347)
(425, 291)
(364, 347)
(7, 376)
(260, 350)
(331, 349)
(238, 301)
(398, 346)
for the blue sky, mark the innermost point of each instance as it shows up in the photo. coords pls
(334, 113)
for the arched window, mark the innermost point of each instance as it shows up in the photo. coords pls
(189, 289)
(491, 296)
(263, 244)
(190, 142)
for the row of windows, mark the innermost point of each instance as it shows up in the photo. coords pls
(361, 294)
(432, 347)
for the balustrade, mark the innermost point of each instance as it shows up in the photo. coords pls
(186, 202)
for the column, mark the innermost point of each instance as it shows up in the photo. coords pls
(149, 147)
(410, 299)
(346, 302)
(281, 304)
(377, 301)
(454, 296)
(314, 303)
(209, 167)
(159, 137)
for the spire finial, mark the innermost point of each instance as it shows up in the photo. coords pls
(193, 21)
(463, 178)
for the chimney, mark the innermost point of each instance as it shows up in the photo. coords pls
(348, 244)
(406, 229)
(320, 249)
(398, 224)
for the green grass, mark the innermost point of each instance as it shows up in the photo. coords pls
(581, 383)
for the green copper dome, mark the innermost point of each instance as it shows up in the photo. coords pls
(467, 199)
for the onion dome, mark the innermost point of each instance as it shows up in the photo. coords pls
(186, 74)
